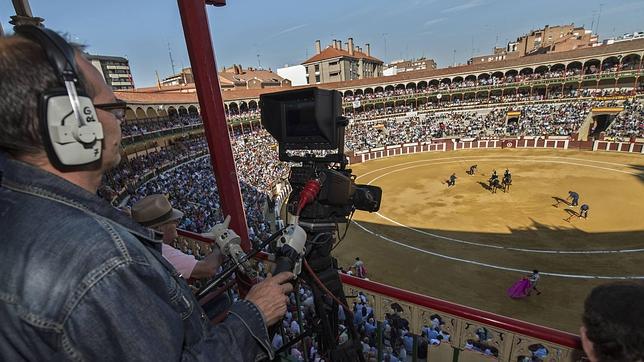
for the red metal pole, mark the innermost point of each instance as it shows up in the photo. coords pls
(204, 68)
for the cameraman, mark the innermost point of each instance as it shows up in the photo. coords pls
(81, 280)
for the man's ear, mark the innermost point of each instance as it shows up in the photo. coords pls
(587, 344)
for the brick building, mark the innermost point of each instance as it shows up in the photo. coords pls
(550, 39)
(401, 66)
(337, 63)
(230, 78)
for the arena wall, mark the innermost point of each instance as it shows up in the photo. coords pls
(632, 147)
(443, 145)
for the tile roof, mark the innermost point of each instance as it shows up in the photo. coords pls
(186, 94)
(636, 46)
(331, 52)
(263, 75)
(138, 97)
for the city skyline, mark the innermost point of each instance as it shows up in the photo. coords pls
(257, 33)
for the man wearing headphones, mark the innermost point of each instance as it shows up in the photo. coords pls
(81, 280)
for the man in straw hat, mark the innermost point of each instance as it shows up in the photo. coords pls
(156, 212)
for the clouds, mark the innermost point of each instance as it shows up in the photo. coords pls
(288, 30)
(434, 21)
(468, 5)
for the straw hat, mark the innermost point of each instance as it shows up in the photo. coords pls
(154, 210)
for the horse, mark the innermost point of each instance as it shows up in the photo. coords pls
(507, 181)
(494, 184)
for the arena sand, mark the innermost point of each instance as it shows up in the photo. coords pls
(504, 231)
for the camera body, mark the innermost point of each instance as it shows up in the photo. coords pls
(339, 195)
(309, 119)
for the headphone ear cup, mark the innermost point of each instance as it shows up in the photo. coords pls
(68, 144)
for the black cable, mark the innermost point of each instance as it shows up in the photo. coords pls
(228, 272)
(345, 230)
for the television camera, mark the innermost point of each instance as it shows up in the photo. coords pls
(305, 123)
(324, 194)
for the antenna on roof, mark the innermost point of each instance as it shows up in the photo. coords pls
(599, 15)
(259, 61)
(171, 61)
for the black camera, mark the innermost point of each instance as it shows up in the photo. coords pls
(304, 121)
(309, 129)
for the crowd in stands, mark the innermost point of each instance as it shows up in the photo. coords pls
(192, 187)
(134, 168)
(535, 120)
(474, 82)
(251, 147)
(149, 125)
(397, 340)
(456, 102)
(550, 119)
(193, 190)
(235, 114)
(629, 123)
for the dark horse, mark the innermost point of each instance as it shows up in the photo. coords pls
(494, 184)
(507, 181)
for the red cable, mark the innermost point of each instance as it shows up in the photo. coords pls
(308, 194)
(319, 282)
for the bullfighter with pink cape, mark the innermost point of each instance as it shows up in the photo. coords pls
(519, 289)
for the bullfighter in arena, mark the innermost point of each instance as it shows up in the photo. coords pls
(574, 197)
(452, 180)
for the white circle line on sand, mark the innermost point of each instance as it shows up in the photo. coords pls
(492, 266)
(543, 251)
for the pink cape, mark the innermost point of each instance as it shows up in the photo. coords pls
(519, 289)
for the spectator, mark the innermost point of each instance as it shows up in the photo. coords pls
(613, 323)
(155, 211)
(422, 350)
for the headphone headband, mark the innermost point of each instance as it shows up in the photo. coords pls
(59, 53)
(69, 143)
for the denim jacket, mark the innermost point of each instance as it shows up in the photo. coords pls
(79, 280)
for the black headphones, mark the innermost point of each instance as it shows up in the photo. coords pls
(69, 124)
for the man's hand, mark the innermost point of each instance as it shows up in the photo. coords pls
(207, 267)
(270, 296)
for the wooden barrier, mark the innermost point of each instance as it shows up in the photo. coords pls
(454, 144)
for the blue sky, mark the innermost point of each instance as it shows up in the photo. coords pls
(284, 31)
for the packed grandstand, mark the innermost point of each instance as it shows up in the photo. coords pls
(181, 167)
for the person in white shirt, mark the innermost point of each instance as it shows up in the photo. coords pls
(534, 279)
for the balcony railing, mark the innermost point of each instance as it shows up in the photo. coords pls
(503, 86)
(471, 331)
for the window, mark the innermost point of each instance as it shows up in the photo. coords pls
(317, 67)
(317, 78)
